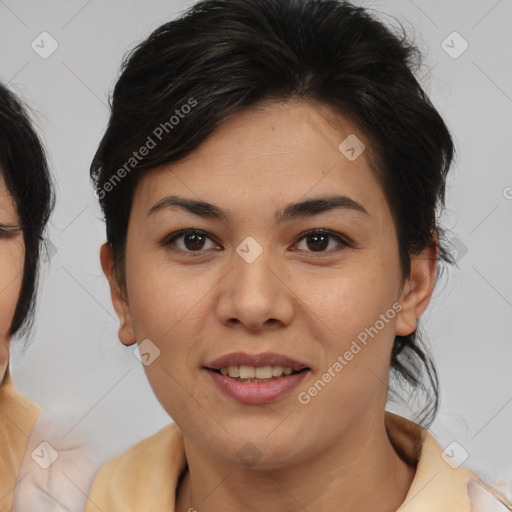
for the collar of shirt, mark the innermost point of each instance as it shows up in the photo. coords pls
(146, 476)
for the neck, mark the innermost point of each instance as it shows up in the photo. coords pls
(361, 471)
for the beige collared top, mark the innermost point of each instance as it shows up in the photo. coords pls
(18, 416)
(145, 477)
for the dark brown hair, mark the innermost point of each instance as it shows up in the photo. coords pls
(226, 55)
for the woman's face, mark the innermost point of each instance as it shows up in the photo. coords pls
(12, 256)
(252, 283)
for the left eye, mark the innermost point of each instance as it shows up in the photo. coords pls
(194, 240)
(319, 238)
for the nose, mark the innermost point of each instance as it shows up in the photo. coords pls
(255, 295)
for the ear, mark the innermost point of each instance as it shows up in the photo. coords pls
(418, 289)
(126, 333)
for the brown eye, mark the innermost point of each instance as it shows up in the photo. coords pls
(188, 241)
(318, 241)
(193, 241)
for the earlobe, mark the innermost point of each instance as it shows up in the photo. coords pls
(126, 333)
(417, 290)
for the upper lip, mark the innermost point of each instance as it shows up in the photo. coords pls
(255, 360)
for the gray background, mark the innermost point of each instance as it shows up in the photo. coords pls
(73, 361)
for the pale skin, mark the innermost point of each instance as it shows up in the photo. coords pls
(12, 255)
(332, 454)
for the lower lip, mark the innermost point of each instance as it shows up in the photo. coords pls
(257, 392)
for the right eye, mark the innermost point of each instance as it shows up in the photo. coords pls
(8, 230)
(193, 241)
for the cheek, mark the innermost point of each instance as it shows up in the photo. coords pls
(170, 308)
(11, 276)
(163, 304)
(353, 316)
(349, 300)
(171, 312)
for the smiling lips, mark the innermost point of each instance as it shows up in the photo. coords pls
(258, 378)
(255, 361)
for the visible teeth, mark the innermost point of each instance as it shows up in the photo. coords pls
(250, 372)
(277, 371)
(247, 372)
(234, 371)
(263, 372)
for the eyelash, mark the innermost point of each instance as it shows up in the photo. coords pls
(344, 242)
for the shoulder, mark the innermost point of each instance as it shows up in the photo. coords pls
(149, 470)
(21, 410)
(18, 416)
(485, 498)
(58, 463)
(440, 482)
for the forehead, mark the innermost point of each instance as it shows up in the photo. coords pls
(265, 153)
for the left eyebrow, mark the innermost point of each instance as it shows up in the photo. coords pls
(316, 206)
(307, 208)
